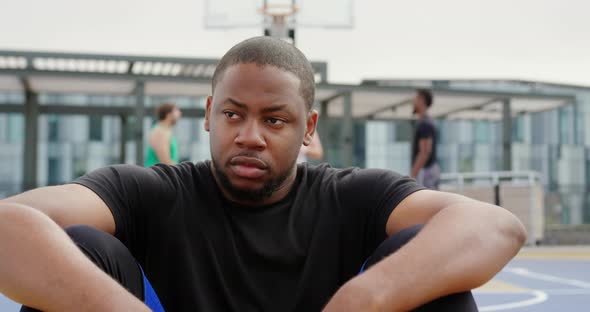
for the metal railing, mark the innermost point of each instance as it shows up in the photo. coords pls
(520, 188)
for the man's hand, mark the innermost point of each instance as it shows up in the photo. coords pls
(424, 151)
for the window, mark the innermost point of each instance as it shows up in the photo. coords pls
(53, 171)
(404, 131)
(359, 144)
(95, 128)
(565, 125)
(518, 129)
(53, 128)
(15, 128)
(482, 132)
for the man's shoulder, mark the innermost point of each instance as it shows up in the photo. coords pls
(187, 177)
(326, 173)
(323, 170)
(186, 170)
(181, 173)
(427, 122)
(425, 126)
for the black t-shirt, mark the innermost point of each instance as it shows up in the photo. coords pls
(424, 129)
(203, 253)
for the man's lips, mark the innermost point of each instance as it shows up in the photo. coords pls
(248, 167)
(249, 162)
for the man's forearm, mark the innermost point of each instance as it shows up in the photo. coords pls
(419, 163)
(41, 267)
(462, 247)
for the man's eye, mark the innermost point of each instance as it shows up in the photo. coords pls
(275, 121)
(231, 115)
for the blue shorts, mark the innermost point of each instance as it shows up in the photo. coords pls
(150, 298)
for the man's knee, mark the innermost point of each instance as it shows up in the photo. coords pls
(392, 244)
(100, 247)
(462, 302)
(401, 238)
(95, 243)
(110, 255)
(84, 233)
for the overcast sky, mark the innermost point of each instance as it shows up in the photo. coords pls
(546, 40)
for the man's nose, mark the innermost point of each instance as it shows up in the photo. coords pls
(250, 136)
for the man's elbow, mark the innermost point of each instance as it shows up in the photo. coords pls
(520, 232)
(511, 228)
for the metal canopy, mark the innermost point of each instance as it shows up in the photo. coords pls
(147, 68)
(177, 88)
(120, 75)
(46, 84)
(395, 102)
(34, 73)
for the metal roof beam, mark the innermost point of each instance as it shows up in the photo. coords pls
(333, 97)
(102, 75)
(86, 110)
(446, 91)
(336, 87)
(393, 106)
(11, 108)
(320, 66)
(93, 110)
(474, 107)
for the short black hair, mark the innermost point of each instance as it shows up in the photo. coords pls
(426, 95)
(164, 109)
(264, 51)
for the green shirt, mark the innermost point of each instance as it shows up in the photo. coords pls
(152, 159)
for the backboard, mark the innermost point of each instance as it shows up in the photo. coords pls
(228, 14)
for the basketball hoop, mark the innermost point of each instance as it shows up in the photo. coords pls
(278, 19)
(278, 9)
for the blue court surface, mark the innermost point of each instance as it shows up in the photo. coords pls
(539, 279)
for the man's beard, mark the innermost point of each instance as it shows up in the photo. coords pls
(262, 193)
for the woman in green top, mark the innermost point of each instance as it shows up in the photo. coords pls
(162, 146)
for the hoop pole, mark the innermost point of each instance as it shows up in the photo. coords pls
(279, 26)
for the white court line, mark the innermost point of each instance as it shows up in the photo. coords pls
(501, 291)
(576, 291)
(547, 277)
(553, 291)
(540, 296)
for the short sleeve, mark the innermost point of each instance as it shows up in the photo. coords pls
(375, 193)
(131, 193)
(425, 131)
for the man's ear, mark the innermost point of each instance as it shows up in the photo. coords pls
(208, 112)
(311, 123)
